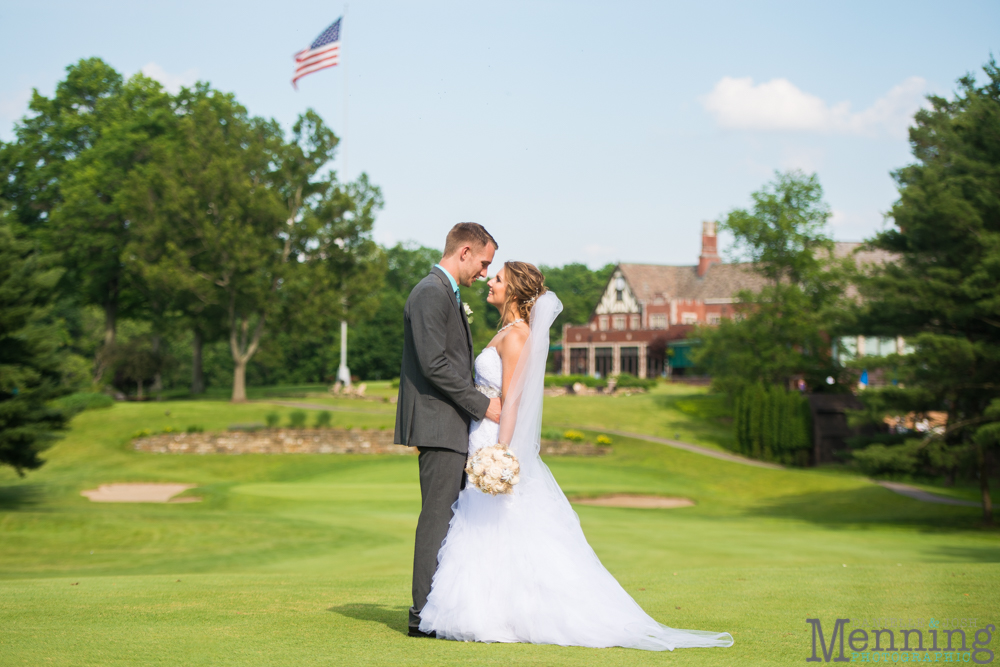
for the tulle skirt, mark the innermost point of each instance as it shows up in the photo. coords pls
(518, 568)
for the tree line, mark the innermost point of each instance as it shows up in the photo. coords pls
(157, 243)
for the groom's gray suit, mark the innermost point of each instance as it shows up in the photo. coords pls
(437, 400)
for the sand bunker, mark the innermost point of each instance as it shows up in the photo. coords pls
(643, 502)
(139, 493)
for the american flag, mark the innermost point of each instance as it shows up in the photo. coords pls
(322, 53)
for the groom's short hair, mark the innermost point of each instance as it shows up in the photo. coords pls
(467, 234)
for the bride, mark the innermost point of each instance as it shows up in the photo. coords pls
(517, 567)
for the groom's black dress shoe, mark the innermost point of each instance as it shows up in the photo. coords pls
(414, 632)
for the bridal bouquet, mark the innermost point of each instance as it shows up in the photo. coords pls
(493, 470)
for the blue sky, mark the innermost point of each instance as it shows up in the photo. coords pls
(574, 131)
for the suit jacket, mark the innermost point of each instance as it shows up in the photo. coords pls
(437, 392)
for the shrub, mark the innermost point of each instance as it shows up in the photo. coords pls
(569, 380)
(889, 459)
(552, 434)
(772, 424)
(142, 433)
(603, 440)
(323, 419)
(395, 383)
(169, 429)
(194, 429)
(84, 400)
(573, 436)
(628, 381)
(272, 419)
(297, 419)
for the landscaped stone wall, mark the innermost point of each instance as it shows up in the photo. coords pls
(275, 441)
(312, 441)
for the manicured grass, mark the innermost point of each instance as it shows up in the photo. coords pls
(305, 560)
(679, 411)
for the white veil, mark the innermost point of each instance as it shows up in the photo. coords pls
(521, 417)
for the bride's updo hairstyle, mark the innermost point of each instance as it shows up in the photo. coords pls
(525, 284)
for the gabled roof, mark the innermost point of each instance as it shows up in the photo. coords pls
(721, 281)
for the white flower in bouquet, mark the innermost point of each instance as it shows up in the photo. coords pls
(493, 470)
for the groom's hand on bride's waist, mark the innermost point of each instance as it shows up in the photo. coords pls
(493, 412)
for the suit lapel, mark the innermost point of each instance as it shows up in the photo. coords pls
(461, 311)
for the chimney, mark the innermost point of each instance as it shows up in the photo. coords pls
(709, 249)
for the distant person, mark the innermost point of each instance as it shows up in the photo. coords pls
(517, 567)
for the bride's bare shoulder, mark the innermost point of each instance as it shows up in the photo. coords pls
(513, 340)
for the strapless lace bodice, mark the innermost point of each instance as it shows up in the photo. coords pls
(489, 380)
(489, 372)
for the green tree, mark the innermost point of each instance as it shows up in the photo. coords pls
(779, 331)
(942, 292)
(32, 351)
(376, 349)
(239, 221)
(73, 157)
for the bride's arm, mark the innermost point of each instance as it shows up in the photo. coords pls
(509, 348)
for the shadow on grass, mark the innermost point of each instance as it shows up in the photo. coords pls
(394, 618)
(20, 496)
(969, 554)
(869, 506)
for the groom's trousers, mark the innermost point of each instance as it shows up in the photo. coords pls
(442, 477)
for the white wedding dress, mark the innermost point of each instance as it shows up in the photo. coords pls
(517, 568)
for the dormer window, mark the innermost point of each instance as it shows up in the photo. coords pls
(620, 289)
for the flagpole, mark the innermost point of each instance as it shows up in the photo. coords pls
(344, 373)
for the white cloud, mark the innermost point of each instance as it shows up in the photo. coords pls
(172, 82)
(13, 106)
(779, 105)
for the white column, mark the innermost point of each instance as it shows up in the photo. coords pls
(343, 373)
(616, 359)
(642, 360)
(591, 363)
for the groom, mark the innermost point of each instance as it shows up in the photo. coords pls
(438, 396)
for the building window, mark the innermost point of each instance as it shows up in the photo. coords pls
(689, 318)
(618, 323)
(578, 360)
(713, 318)
(629, 360)
(633, 322)
(602, 322)
(620, 289)
(603, 360)
(658, 321)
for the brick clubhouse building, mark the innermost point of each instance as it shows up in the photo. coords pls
(647, 309)
(645, 317)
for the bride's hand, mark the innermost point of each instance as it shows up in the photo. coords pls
(493, 412)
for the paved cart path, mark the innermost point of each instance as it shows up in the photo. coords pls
(895, 487)
(697, 449)
(924, 496)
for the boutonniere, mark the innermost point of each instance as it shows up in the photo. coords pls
(468, 311)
